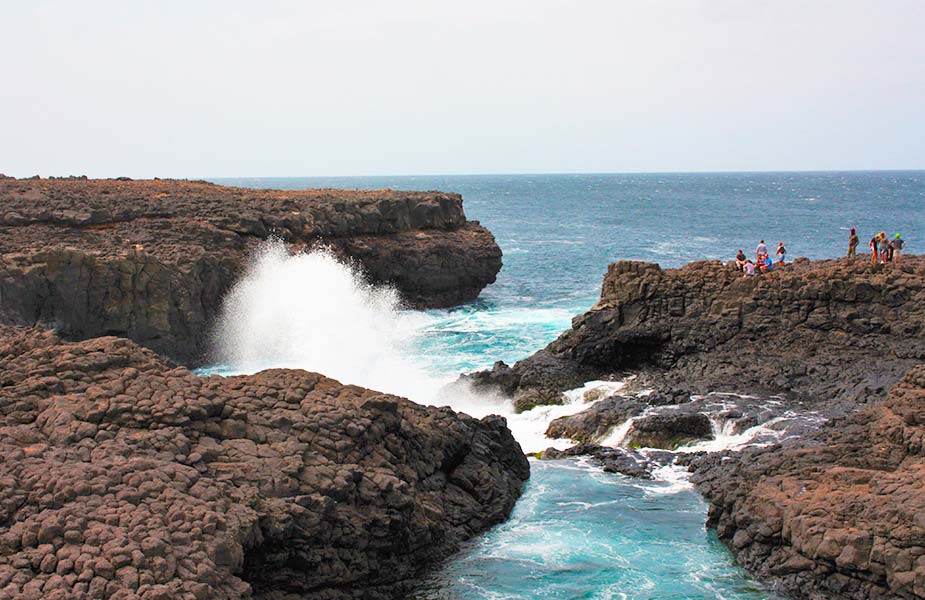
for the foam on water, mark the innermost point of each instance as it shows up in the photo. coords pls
(312, 311)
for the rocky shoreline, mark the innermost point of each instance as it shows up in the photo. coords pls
(129, 479)
(824, 498)
(151, 260)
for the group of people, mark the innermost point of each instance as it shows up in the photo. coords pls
(882, 250)
(763, 261)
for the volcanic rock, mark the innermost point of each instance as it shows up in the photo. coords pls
(127, 479)
(151, 260)
(837, 514)
(820, 330)
(612, 460)
(593, 423)
(669, 430)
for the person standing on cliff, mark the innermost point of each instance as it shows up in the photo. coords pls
(780, 254)
(761, 252)
(897, 245)
(875, 248)
(853, 241)
(884, 248)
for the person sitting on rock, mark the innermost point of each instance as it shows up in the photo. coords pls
(781, 253)
(897, 245)
(853, 241)
(740, 260)
(761, 252)
(749, 268)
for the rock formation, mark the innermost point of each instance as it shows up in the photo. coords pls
(124, 478)
(151, 260)
(837, 514)
(826, 513)
(818, 330)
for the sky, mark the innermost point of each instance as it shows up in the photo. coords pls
(276, 88)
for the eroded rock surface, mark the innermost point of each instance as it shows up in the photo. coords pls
(123, 478)
(838, 514)
(821, 330)
(151, 260)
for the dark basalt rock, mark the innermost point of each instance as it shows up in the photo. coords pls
(612, 460)
(151, 260)
(125, 478)
(669, 430)
(593, 423)
(837, 514)
(819, 330)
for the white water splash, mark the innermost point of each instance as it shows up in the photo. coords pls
(312, 311)
(617, 434)
(529, 427)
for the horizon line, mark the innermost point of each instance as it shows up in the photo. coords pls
(529, 173)
(490, 174)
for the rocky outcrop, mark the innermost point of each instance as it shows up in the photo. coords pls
(123, 478)
(830, 505)
(837, 514)
(151, 260)
(818, 330)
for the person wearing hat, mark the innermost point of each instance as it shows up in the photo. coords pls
(897, 247)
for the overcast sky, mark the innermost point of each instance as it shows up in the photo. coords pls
(242, 88)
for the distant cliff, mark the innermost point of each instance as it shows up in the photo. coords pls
(151, 260)
(821, 330)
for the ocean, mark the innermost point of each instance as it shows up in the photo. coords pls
(577, 532)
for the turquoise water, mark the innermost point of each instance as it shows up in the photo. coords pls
(559, 232)
(581, 533)
(577, 532)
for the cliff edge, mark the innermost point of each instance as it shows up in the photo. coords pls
(815, 330)
(151, 260)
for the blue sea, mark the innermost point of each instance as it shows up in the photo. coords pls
(577, 532)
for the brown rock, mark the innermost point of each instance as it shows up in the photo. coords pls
(837, 514)
(151, 260)
(353, 495)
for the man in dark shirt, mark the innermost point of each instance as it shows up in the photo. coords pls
(853, 241)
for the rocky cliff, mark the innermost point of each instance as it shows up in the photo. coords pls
(831, 505)
(123, 478)
(151, 260)
(838, 514)
(816, 330)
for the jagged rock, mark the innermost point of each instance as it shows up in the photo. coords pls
(820, 330)
(151, 260)
(125, 478)
(669, 430)
(593, 423)
(612, 460)
(837, 514)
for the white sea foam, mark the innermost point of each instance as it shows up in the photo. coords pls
(529, 427)
(314, 312)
